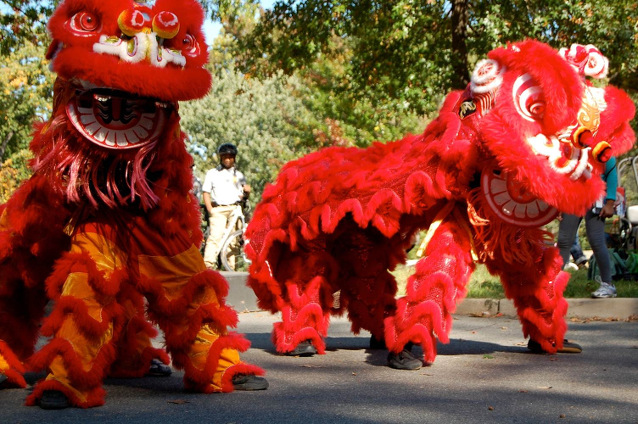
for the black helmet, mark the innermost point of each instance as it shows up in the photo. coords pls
(227, 149)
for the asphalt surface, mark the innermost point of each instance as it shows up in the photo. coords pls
(484, 375)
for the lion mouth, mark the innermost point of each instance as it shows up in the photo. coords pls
(562, 156)
(115, 119)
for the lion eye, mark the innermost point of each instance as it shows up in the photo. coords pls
(188, 42)
(528, 98)
(188, 45)
(83, 22)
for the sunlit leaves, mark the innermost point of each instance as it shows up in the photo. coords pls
(23, 21)
(404, 50)
(26, 89)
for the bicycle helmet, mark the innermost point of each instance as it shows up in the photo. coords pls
(227, 149)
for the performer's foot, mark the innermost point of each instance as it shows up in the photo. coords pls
(304, 348)
(159, 369)
(7, 382)
(404, 360)
(377, 343)
(249, 382)
(568, 347)
(53, 399)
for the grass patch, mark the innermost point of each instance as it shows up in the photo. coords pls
(485, 285)
(580, 286)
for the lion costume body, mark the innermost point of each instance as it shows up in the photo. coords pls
(525, 140)
(107, 227)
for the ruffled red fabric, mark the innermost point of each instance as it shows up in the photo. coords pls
(337, 220)
(16, 367)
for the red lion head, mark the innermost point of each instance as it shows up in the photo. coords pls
(549, 129)
(152, 51)
(122, 67)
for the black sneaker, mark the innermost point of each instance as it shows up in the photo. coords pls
(404, 360)
(568, 347)
(53, 399)
(534, 346)
(377, 343)
(159, 369)
(304, 348)
(249, 382)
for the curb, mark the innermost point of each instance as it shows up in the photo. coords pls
(243, 299)
(617, 308)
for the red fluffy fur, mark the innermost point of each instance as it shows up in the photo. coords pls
(338, 219)
(167, 83)
(136, 201)
(615, 121)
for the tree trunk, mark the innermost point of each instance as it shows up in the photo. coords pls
(459, 48)
(3, 148)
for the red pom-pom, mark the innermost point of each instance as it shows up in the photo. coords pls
(166, 25)
(131, 22)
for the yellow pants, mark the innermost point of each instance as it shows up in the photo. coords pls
(98, 323)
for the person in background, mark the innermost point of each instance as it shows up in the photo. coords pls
(595, 229)
(579, 260)
(224, 188)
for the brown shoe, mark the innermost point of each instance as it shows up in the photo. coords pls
(568, 347)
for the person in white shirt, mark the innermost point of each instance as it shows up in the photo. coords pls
(224, 188)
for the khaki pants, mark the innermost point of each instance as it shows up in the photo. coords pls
(218, 222)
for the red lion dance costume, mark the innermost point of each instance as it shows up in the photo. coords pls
(525, 139)
(107, 220)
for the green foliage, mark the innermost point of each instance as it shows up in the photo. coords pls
(26, 89)
(356, 120)
(385, 64)
(344, 118)
(484, 285)
(238, 19)
(23, 21)
(407, 52)
(361, 70)
(13, 172)
(268, 123)
(612, 26)
(581, 287)
(25, 80)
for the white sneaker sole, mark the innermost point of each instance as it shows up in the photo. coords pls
(603, 296)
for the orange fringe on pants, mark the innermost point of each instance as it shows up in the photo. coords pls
(98, 324)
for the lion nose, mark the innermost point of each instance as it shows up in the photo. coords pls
(601, 151)
(582, 138)
(166, 25)
(132, 22)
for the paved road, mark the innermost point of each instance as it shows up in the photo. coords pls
(484, 375)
